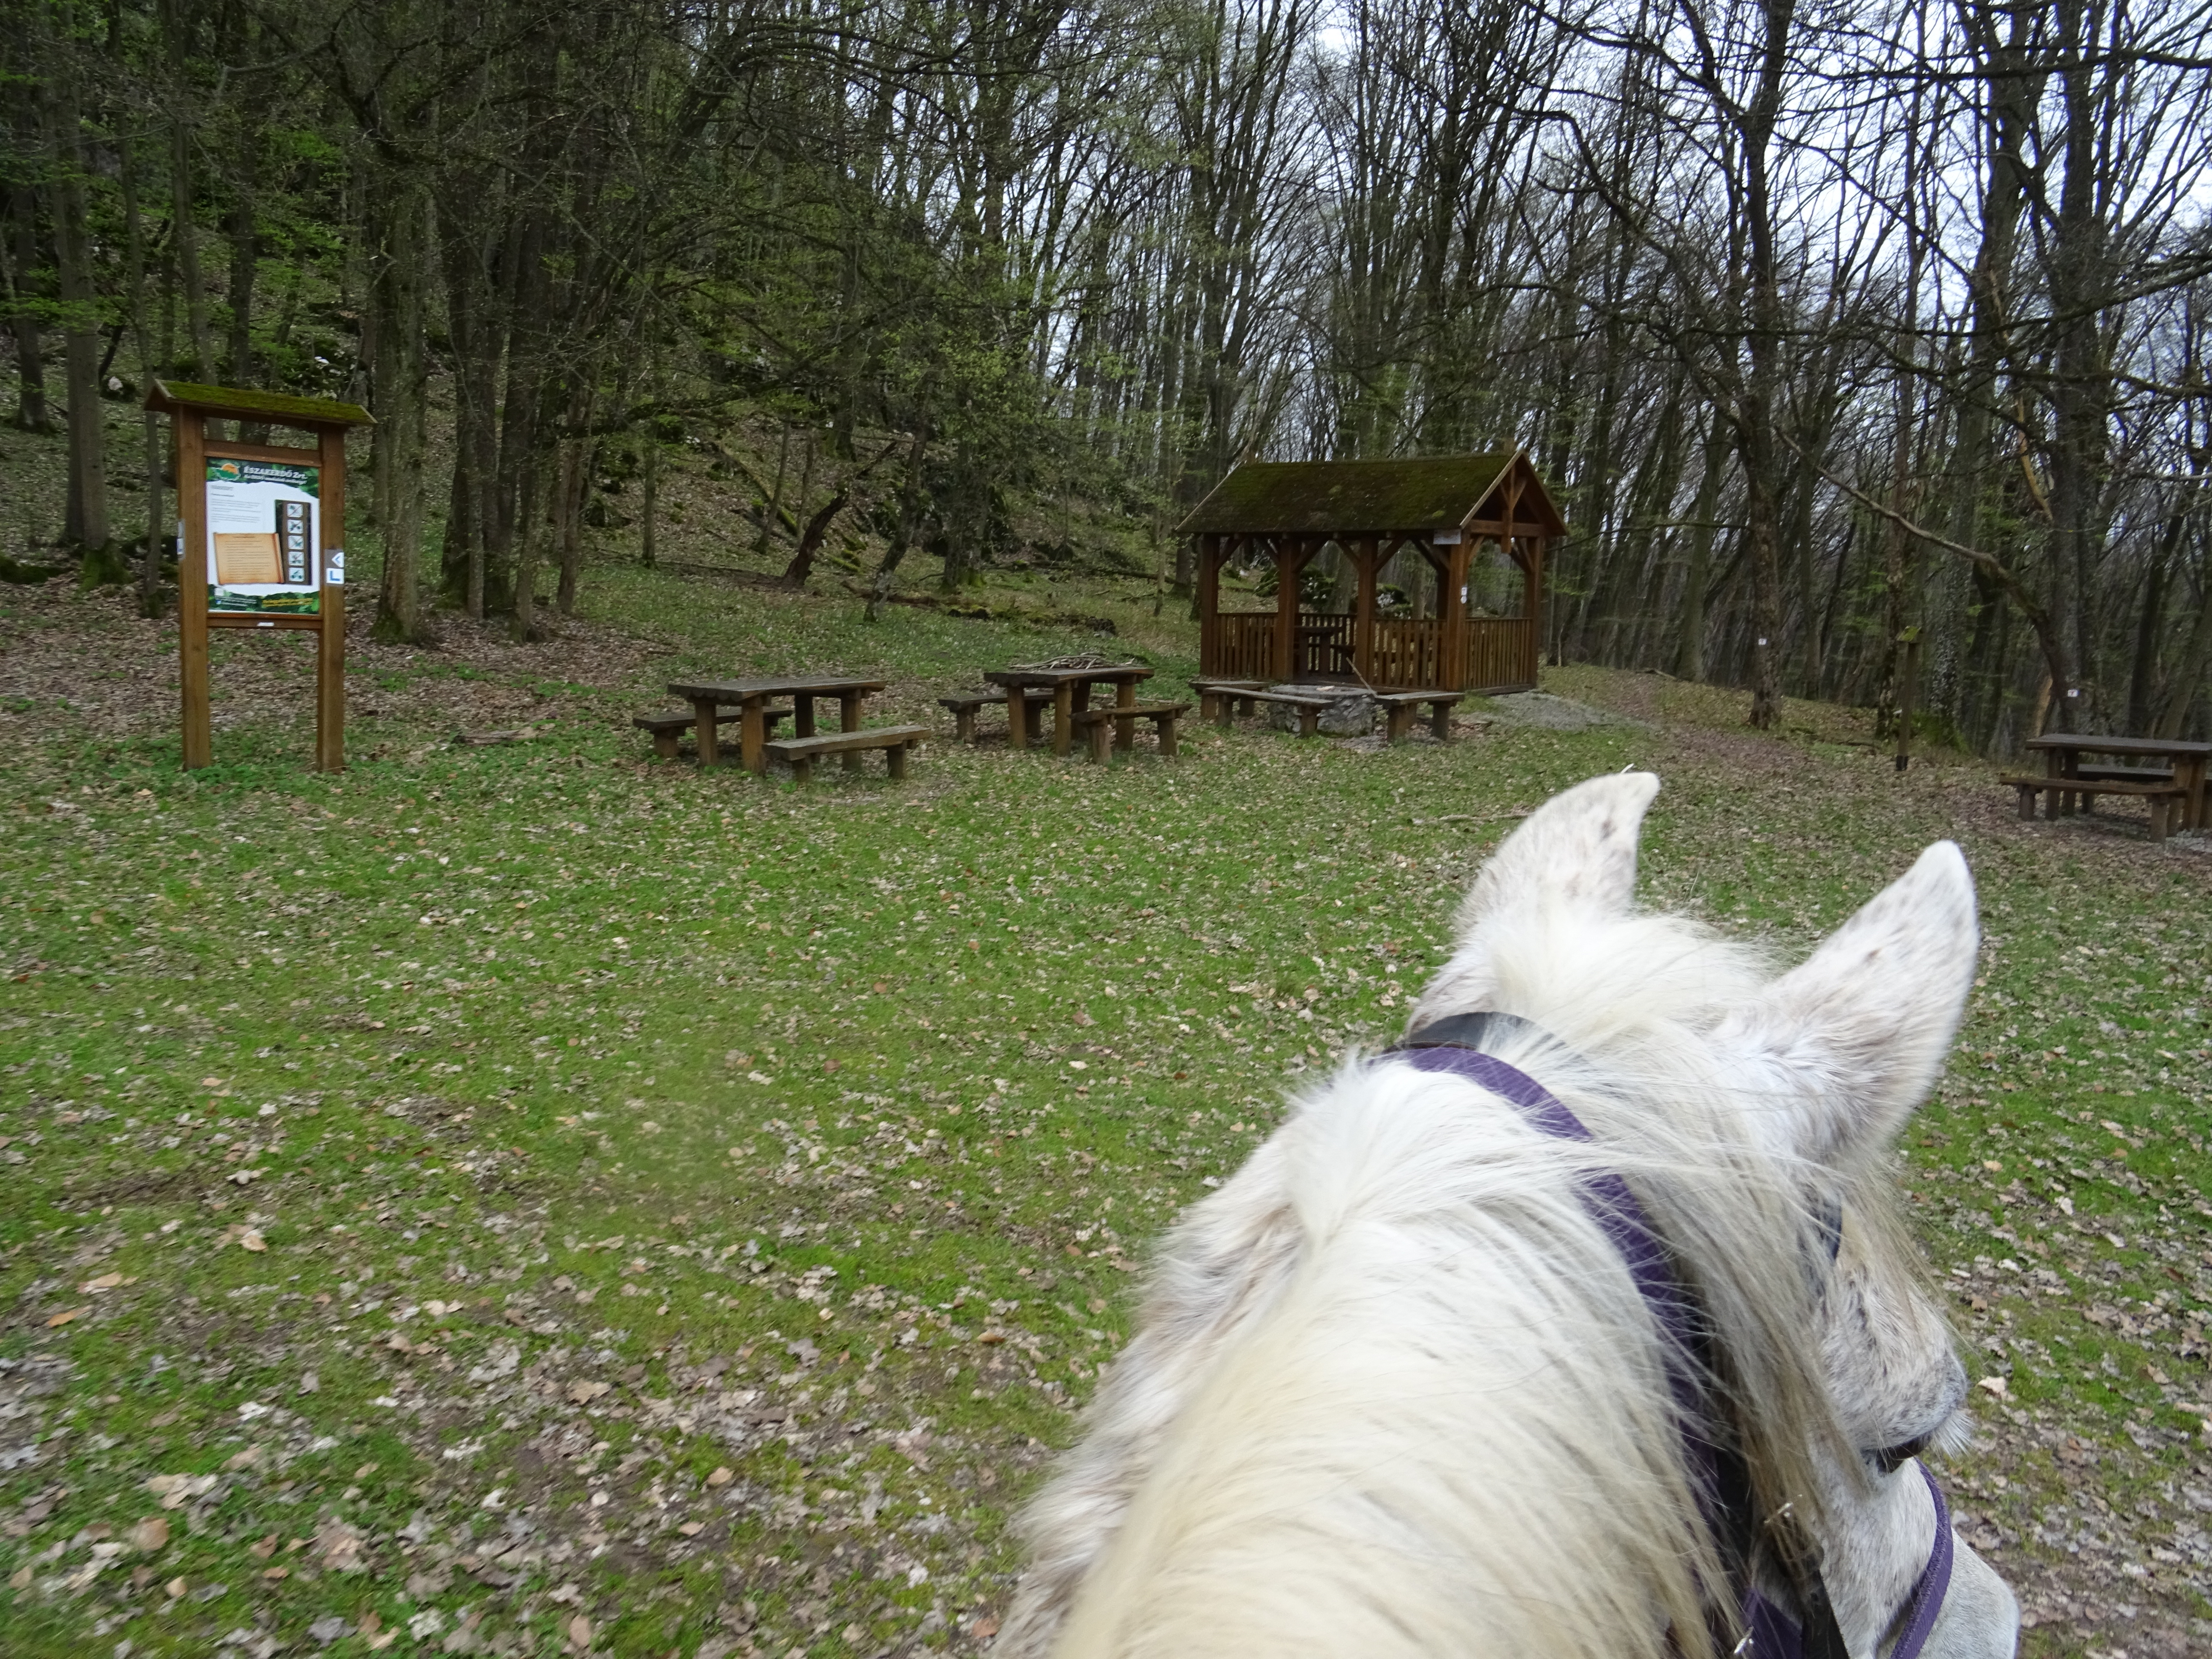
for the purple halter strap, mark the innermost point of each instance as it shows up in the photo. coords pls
(1770, 1633)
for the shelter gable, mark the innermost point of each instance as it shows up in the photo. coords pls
(1349, 497)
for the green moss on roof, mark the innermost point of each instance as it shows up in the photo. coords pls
(237, 403)
(1348, 497)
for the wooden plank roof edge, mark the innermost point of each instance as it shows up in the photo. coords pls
(239, 403)
(1214, 513)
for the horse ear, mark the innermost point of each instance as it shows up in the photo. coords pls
(1578, 847)
(1849, 1043)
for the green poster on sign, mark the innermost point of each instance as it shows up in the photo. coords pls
(262, 553)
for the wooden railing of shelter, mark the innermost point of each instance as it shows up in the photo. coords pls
(1500, 651)
(1408, 652)
(1325, 644)
(1240, 645)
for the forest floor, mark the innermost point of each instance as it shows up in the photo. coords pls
(535, 1199)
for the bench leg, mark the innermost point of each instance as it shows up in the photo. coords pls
(1100, 737)
(894, 757)
(1396, 719)
(1165, 725)
(1244, 706)
(2157, 819)
(2027, 794)
(1440, 721)
(802, 769)
(1309, 722)
(964, 726)
(664, 744)
(1209, 705)
(1125, 733)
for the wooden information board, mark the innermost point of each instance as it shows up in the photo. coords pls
(261, 542)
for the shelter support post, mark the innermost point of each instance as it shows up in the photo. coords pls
(1369, 558)
(1210, 553)
(1532, 602)
(1287, 564)
(1451, 626)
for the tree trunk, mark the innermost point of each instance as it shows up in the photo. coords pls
(2196, 653)
(909, 519)
(1756, 428)
(529, 545)
(775, 490)
(85, 521)
(19, 259)
(181, 229)
(648, 517)
(2142, 673)
(149, 567)
(244, 266)
(465, 577)
(397, 223)
(1696, 575)
(801, 567)
(568, 528)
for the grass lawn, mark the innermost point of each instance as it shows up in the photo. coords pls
(531, 1199)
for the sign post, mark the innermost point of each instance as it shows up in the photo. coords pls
(261, 542)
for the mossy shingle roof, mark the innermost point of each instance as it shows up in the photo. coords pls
(1437, 492)
(237, 403)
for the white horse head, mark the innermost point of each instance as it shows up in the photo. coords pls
(1397, 1390)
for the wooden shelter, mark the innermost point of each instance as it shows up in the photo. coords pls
(1444, 508)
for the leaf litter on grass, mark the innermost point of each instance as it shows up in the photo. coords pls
(700, 1206)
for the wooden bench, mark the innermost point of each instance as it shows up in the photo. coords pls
(1308, 703)
(666, 729)
(963, 709)
(2124, 774)
(1216, 697)
(1399, 706)
(893, 740)
(1120, 723)
(2163, 798)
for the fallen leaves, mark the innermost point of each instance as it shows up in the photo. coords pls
(585, 1390)
(340, 1545)
(246, 1237)
(175, 1490)
(65, 1317)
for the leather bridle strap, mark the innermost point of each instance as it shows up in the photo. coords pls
(1927, 1598)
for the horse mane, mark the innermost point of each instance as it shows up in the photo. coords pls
(1394, 1391)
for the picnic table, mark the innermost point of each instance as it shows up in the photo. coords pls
(2183, 769)
(1071, 691)
(751, 697)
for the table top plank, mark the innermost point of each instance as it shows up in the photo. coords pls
(2088, 744)
(1068, 676)
(773, 685)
